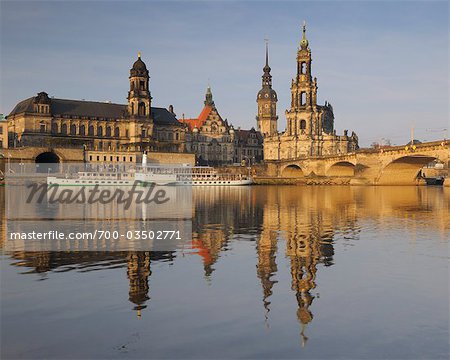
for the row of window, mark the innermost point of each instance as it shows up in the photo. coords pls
(249, 152)
(72, 130)
(111, 158)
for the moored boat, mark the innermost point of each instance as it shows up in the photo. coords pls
(439, 180)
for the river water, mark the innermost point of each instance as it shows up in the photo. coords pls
(271, 272)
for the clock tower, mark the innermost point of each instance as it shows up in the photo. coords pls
(267, 103)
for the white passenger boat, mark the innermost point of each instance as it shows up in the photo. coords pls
(92, 178)
(115, 175)
(192, 175)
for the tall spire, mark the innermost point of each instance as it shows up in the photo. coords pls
(267, 51)
(267, 78)
(304, 41)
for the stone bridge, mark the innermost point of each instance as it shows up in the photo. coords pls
(390, 166)
(42, 154)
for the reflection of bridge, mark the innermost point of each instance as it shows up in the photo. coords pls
(392, 166)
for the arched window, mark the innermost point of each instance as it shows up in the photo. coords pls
(141, 109)
(64, 129)
(54, 128)
(100, 130)
(303, 126)
(108, 131)
(91, 130)
(73, 129)
(82, 130)
(144, 132)
(117, 132)
(302, 98)
(303, 68)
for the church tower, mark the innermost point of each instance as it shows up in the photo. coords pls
(139, 98)
(303, 94)
(267, 103)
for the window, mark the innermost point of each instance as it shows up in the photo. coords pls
(117, 132)
(177, 136)
(302, 98)
(42, 127)
(73, 129)
(303, 68)
(54, 128)
(108, 131)
(141, 109)
(144, 133)
(91, 130)
(82, 130)
(142, 85)
(303, 126)
(100, 130)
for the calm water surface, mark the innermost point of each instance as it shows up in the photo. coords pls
(272, 272)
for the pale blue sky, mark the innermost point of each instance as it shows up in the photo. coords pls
(383, 65)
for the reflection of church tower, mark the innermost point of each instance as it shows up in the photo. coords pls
(267, 267)
(303, 251)
(138, 273)
(267, 103)
(139, 99)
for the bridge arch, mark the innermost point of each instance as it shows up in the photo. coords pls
(341, 168)
(47, 162)
(47, 157)
(404, 170)
(292, 171)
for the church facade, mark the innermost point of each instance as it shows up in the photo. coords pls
(310, 126)
(98, 126)
(216, 142)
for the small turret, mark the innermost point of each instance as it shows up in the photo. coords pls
(209, 97)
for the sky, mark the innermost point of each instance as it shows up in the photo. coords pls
(384, 66)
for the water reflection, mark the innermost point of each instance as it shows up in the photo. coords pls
(302, 224)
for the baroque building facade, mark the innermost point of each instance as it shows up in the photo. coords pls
(310, 126)
(99, 126)
(216, 142)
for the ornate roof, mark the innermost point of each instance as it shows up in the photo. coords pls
(198, 122)
(161, 116)
(139, 68)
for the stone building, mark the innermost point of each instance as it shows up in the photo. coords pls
(3, 132)
(216, 142)
(310, 127)
(50, 122)
(248, 146)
